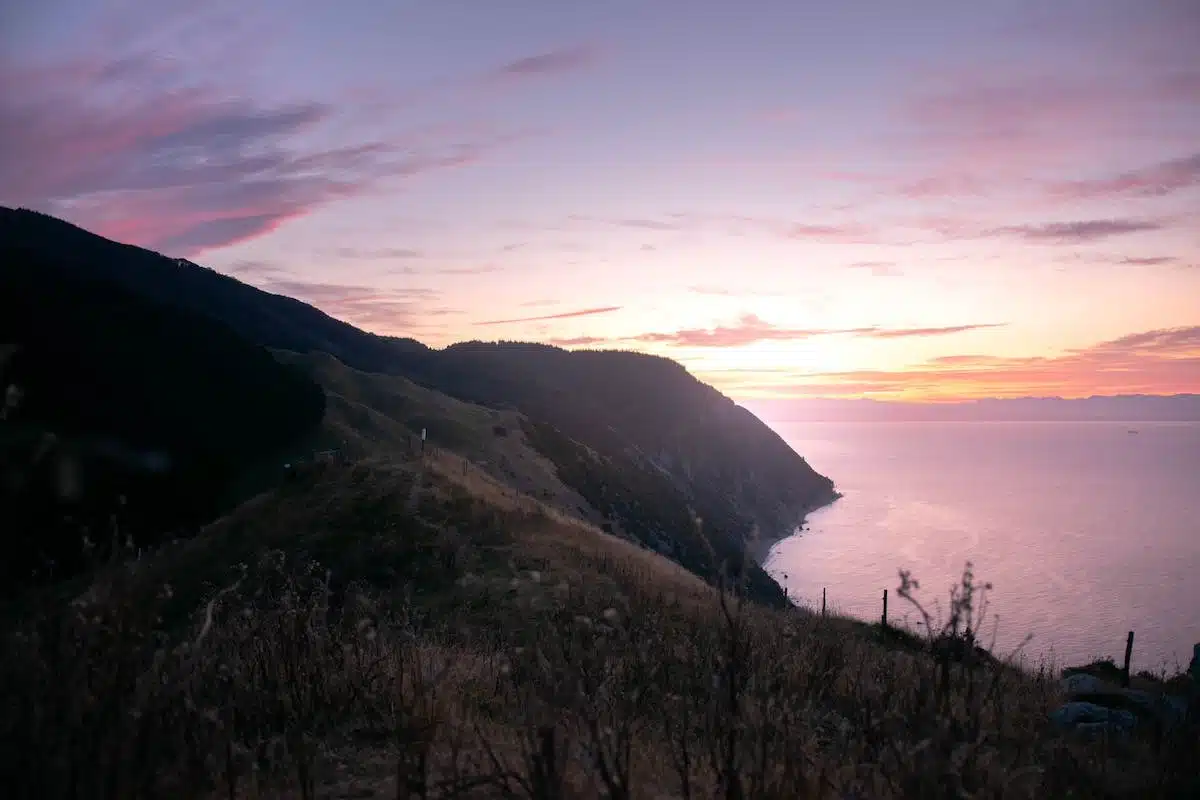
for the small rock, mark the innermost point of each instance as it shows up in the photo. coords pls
(1072, 715)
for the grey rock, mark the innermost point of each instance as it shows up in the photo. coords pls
(1074, 714)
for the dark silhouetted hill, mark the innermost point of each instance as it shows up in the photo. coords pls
(268, 319)
(124, 397)
(648, 416)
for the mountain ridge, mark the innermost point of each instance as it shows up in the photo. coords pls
(651, 448)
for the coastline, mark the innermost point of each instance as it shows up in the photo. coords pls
(760, 548)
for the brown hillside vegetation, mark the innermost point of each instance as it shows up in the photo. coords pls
(377, 415)
(381, 416)
(420, 629)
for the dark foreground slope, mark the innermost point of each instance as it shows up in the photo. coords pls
(122, 398)
(650, 447)
(410, 629)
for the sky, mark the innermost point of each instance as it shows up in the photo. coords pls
(926, 200)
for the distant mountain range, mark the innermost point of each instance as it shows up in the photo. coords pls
(1116, 408)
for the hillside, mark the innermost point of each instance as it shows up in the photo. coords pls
(649, 447)
(123, 398)
(268, 319)
(413, 628)
(371, 415)
(375, 415)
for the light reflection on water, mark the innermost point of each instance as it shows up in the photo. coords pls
(1085, 531)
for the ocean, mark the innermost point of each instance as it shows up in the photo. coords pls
(1086, 530)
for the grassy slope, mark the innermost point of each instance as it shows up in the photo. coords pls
(464, 621)
(372, 414)
(380, 415)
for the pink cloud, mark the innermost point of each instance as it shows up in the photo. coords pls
(982, 129)
(482, 269)
(380, 309)
(117, 147)
(881, 269)
(586, 312)
(750, 329)
(1078, 232)
(379, 252)
(841, 232)
(565, 59)
(1150, 362)
(578, 341)
(1158, 180)
(848, 233)
(1149, 261)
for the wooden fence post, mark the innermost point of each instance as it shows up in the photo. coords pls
(885, 608)
(1125, 669)
(822, 602)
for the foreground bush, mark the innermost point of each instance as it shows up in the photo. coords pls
(278, 685)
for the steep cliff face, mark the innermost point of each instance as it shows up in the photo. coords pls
(649, 412)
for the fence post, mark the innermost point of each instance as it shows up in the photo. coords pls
(1125, 669)
(822, 602)
(885, 608)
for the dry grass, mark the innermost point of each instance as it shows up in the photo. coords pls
(375, 415)
(537, 658)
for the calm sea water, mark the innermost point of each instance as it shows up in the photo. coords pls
(1085, 531)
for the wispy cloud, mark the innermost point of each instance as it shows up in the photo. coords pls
(379, 252)
(552, 62)
(847, 233)
(253, 271)
(384, 310)
(1149, 261)
(127, 147)
(727, 291)
(482, 269)
(750, 329)
(1157, 361)
(578, 341)
(1078, 232)
(842, 232)
(907, 333)
(586, 312)
(881, 269)
(1129, 78)
(1157, 180)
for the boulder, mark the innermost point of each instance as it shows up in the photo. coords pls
(1086, 692)
(1093, 718)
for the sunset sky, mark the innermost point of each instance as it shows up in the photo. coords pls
(857, 198)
